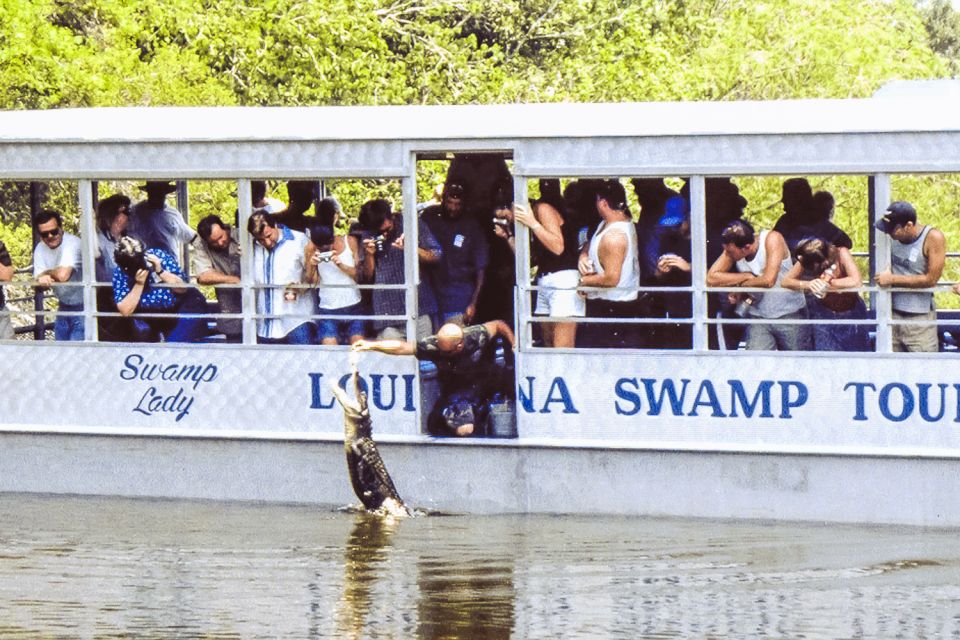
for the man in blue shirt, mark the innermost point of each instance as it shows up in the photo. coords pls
(459, 277)
(383, 264)
(150, 281)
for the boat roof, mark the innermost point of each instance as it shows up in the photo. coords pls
(897, 113)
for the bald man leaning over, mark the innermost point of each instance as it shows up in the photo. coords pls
(466, 369)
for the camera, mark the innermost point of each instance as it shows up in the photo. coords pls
(131, 263)
(324, 256)
(502, 222)
(381, 241)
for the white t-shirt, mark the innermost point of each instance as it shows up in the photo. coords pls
(160, 228)
(68, 254)
(281, 266)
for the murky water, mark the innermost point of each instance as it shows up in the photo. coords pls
(109, 567)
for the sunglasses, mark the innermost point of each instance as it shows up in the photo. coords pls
(53, 233)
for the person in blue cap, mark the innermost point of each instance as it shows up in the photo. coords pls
(673, 270)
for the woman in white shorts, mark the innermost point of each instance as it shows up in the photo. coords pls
(555, 253)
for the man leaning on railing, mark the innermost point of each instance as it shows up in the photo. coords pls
(57, 260)
(917, 255)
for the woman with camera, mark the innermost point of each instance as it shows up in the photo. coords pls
(150, 281)
(332, 267)
(555, 253)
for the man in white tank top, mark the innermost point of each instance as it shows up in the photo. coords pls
(751, 259)
(918, 253)
(610, 261)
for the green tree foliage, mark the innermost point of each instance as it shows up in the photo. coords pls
(283, 52)
(943, 29)
(66, 53)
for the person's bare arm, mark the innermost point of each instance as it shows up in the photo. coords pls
(310, 274)
(776, 248)
(721, 273)
(935, 249)
(611, 253)
(369, 264)
(389, 347)
(339, 246)
(57, 274)
(852, 279)
(471, 309)
(496, 328)
(213, 276)
(792, 279)
(128, 305)
(166, 277)
(545, 224)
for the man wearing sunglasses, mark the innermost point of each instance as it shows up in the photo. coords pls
(57, 265)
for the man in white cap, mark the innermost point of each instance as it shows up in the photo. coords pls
(158, 225)
(917, 256)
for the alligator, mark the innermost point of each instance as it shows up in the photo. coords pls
(371, 480)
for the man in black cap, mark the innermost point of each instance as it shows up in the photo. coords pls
(917, 255)
(156, 224)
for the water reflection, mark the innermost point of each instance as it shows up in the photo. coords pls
(124, 568)
(367, 548)
(470, 598)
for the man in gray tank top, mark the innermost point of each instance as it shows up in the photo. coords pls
(917, 255)
(752, 259)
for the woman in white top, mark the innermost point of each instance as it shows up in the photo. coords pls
(331, 264)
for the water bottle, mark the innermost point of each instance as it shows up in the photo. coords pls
(826, 277)
(743, 307)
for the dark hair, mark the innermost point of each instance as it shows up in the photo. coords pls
(45, 216)
(822, 205)
(550, 192)
(205, 226)
(109, 208)
(259, 220)
(302, 194)
(614, 193)
(797, 191)
(373, 213)
(320, 234)
(327, 210)
(814, 254)
(739, 233)
(129, 255)
(258, 189)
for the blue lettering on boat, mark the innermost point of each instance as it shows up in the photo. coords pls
(558, 392)
(897, 402)
(153, 402)
(385, 393)
(664, 394)
(135, 368)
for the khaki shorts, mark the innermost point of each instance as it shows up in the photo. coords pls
(915, 337)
